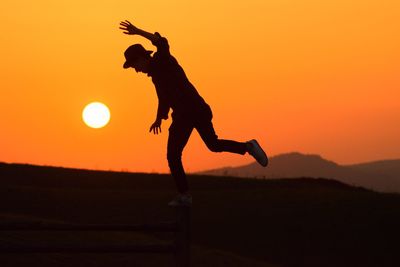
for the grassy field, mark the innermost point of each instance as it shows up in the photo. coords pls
(235, 222)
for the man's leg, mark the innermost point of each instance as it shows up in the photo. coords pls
(206, 130)
(179, 133)
(207, 133)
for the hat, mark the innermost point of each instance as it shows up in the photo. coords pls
(133, 53)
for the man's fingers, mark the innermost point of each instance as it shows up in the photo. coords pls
(126, 23)
(155, 129)
(124, 28)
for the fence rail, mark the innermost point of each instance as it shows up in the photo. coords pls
(89, 249)
(160, 227)
(180, 246)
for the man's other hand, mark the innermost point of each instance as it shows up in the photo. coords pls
(156, 127)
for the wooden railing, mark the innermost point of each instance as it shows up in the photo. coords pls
(180, 246)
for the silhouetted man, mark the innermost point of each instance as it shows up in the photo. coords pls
(190, 111)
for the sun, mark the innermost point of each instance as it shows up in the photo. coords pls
(96, 115)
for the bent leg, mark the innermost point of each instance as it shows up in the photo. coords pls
(207, 133)
(179, 133)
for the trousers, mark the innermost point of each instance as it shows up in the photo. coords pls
(179, 133)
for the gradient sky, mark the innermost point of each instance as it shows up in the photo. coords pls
(311, 76)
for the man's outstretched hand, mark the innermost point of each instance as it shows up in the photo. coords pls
(156, 127)
(128, 28)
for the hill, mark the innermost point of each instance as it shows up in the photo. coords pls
(235, 222)
(381, 176)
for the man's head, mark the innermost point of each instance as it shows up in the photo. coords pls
(137, 57)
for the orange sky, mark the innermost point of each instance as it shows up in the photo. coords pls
(310, 76)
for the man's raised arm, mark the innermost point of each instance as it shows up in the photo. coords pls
(130, 29)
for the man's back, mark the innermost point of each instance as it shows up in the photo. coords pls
(173, 87)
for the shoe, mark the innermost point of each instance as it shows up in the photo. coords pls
(254, 149)
(181, 200)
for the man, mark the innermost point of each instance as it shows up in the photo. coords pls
(190, 111)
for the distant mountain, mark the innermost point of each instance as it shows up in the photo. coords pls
(378, 175)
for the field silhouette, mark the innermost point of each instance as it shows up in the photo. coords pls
(235, 222)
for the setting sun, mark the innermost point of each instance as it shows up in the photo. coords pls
(96, 115)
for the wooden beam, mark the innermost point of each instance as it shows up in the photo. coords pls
(159, 227)
(78, 248)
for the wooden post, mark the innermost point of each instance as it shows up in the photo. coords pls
(182, 241)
